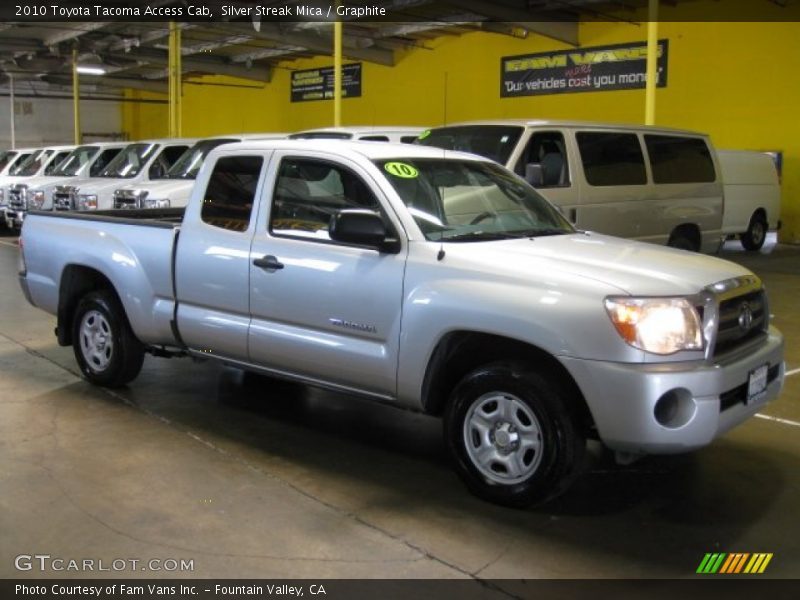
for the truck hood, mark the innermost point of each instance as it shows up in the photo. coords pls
(161, 189)
(43, 181)
(634, 268)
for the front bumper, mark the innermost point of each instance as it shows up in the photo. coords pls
(709, 399)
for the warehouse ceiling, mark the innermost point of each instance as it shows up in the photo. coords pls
(134, 55)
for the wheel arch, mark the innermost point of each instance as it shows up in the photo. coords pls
(459, 352)
(690, 231)
(77, 281)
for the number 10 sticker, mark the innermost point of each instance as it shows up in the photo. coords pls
(400, 169)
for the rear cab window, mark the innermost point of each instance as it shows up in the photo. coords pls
(231, 191)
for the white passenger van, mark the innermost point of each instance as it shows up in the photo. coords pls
(651, 184)
(752, 196)
(401, 135)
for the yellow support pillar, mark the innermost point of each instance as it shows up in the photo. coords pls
(76, 97)
(652, 64)
(174, 73)
(337, 73)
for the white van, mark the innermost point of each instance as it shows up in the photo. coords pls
(142, 161)
(174, 189)
(752, 196)
(400, 135)
(651, 184)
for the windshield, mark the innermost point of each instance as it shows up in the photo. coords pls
(33, 163)
(189, 163)
(457, 200)
(6, 157)
(495, 142)
(130, 161)
(75, 160)
(16, 166)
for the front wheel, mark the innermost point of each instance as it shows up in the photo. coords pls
(106, 349)
(513, 434)
(755, 236)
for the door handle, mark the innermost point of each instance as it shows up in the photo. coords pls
(268, 262)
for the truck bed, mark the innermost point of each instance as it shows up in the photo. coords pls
(162, 217)
(132, 249)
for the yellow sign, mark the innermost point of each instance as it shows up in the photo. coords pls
(400, 169)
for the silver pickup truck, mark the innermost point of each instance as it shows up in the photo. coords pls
(431, 280)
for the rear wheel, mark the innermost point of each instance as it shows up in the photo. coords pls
(513, 435)
(755, 236)
(105, 348)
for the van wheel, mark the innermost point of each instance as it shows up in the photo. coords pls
(511, 433)
(755, 236)
(106, 349)
(682, 242)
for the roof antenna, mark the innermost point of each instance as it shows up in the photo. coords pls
(440, 254)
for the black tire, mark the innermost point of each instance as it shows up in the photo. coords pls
(755, 236)
(558, 458)
(108, 365)
(682, 242)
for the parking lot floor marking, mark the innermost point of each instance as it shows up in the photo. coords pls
(778, 420)
(792, 372)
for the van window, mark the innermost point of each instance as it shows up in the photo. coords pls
(408, 139)
(6, 157)
(168, 157)
(106, 156)
(231, 190)
(374, 138)
(611, 158)
(675, 159)
(547, 149)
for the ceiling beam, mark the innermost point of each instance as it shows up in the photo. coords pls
(317, 43)
(563, 31)
(73, 32)
(113, 82)
(208, 64)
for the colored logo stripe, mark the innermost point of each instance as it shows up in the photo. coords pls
(730, 564)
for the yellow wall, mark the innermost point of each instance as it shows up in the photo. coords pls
(736, 81)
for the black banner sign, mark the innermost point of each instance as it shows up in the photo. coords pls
(602, 68)
(317, 84)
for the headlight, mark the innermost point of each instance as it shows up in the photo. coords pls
(36, 199)
(657, 325)
(155, 203)
(87, 202)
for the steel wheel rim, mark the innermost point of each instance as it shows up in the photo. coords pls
(503, 438)
(758, 232)
(96, 340)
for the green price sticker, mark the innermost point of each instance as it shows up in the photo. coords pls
(424, 134)
(399, 169)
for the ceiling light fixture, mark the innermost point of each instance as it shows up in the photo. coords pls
(91, 70)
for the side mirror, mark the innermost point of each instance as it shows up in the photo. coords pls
(534, 174)
(361, 227)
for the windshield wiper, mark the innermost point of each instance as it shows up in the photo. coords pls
(481, 235)
(532, 233)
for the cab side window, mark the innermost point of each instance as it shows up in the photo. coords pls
(309, 192)
(546, 154)
(231, 191)
(57, 160)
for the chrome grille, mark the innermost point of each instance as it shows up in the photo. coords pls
(17, 197)
(64, 198)
(127, 199)
(742, 319)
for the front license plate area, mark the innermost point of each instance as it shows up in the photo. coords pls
(757, 385)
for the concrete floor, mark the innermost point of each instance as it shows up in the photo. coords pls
(253, 478)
